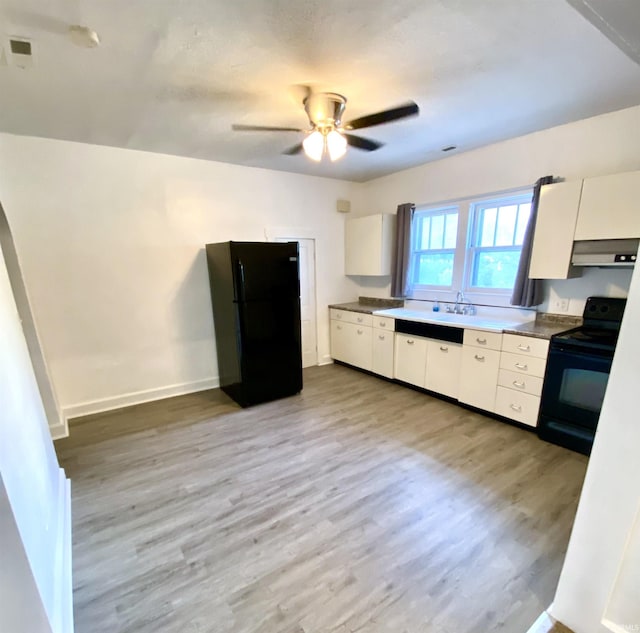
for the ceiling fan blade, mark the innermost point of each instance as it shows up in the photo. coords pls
(264, 128)
(386, 116)
(363, 143)
(292, 151)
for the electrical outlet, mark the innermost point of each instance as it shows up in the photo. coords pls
(561, 305)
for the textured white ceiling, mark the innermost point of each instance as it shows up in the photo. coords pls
(173, 75)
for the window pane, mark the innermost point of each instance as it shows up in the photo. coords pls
(487, 227)
(523, 219)
(506, 225)
(495, 269)
(451, 231)
(425, 224)
(435, 269)
(437, 231)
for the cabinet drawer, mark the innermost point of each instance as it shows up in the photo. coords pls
(523, 364)
(384, 323)
(522, 407)
(525, 345)
(486, 340)
(358, 318)
(520, 382)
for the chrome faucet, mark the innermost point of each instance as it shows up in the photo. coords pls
(457, 308)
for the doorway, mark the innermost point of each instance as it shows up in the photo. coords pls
(308, 319)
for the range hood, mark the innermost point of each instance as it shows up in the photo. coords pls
(605, 253)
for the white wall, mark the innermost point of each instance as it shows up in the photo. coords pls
(33, 492)
(602, 542)
(111, 244)
(596, 146)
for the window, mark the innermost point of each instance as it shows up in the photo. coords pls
(434, 247)
(496, 242)
(471, 245)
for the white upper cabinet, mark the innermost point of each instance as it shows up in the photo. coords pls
(610, 207)
(368, 244)
(555, 228)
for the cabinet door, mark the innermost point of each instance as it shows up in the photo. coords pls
(410, 359)
(383, 352)
(367, 245)
(609, 207)
(443, 368)
(339, 341)
(479, 377)
(555, 228)
(360, 345)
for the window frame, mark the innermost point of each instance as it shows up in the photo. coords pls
(463, 262)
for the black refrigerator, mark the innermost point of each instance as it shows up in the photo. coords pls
(255, 295)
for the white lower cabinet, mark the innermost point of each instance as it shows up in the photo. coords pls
(410, 359)
(352, 344)
(443, 367)
(383, 345)
(479, 377)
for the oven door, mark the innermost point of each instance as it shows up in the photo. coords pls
(574, 386)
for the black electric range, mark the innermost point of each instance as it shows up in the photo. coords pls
(576, 376)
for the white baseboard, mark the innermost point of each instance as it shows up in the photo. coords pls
(59, 430)
(136, 397)
(325, 360)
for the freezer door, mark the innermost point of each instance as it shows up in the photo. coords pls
(265, 271)
(271, 351)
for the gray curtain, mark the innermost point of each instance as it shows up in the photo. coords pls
(528, 292)
(402, 251)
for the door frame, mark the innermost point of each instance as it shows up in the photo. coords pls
(273, 233)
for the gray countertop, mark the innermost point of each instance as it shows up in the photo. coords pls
(368, 305)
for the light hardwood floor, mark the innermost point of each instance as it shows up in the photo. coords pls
(358, 505)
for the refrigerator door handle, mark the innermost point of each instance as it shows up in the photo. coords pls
(240, 281)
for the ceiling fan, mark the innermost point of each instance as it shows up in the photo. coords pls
(327, 132)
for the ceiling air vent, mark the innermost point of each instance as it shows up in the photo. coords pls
(20, 52)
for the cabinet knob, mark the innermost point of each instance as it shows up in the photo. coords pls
(338, 315)
(381, 337)
(382, 324)
(359, 319)
(519, 384)
(516, 407)
(480, 358)
(359, 331)
(339, 327)
(522, 366)
(410, 342)
(444, 348)
(481, 341)
(524, 348)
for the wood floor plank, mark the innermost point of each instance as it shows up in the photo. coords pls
(358, 505)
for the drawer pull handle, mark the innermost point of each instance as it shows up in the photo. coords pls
(383, 324)
(359, 319)
(339, 327)
(516, 407)
(338, 315)
(522, 366)
(444, 348)
(481, 341)
(524, 348)
(519, 384)
(359, 331)
(381, 337)
(410, 342)
(480, 358)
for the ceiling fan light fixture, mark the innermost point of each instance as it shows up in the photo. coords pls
(336, 145)
(313, 145)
